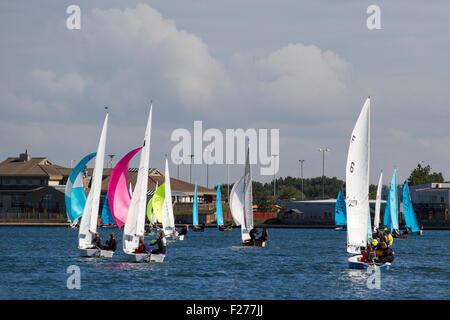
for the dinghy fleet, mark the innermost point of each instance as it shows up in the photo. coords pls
(129, 209)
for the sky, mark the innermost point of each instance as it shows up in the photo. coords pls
(303, 67)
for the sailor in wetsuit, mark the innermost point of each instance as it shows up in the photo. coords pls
(161, 242)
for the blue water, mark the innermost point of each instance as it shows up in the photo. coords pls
(295, 264)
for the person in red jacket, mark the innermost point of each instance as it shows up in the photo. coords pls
(367, 255)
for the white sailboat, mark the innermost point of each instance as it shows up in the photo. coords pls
(88, 225)
(241, 205)
(135, 222)
(357, 182)
(168, 219)
(376, 221)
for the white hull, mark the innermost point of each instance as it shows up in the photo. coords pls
(89, 252)
(96, 253)
(354, 263)
(171, 237)
(145, 257)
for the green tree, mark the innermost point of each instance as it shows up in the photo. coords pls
(289, 193)
(263, 200)
(422, 175)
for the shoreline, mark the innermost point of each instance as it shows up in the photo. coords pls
(269, 226)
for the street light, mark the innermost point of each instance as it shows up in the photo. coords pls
(190, 168)
(111, 156)
(301, 174)
(323, 150)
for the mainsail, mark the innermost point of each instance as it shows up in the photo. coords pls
(119, 196)
(391, 211)
(158, 202)
(408, 210)
(376, 221)
(219, 214)
(168, 220)
(195, 209)
(357, 182)
(75, 197)
(89, 219)
(241, 201)
(340, 211)
(135, 221)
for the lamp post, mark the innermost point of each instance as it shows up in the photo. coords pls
(323, 150)
(190, 168)
(111, 156)
(301, 175)
(274, 180)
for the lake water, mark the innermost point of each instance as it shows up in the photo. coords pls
(295, 264)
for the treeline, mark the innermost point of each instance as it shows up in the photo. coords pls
(295, 189)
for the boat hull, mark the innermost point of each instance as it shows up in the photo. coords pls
(145, 257)
(254, 243)
(96, 253)
(354, 263)
(181, 238)
(89, 252)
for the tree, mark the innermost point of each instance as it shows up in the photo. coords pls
(422, 175)
(263, 200)
(288, 193)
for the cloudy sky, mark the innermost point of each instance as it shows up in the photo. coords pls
(303, 67)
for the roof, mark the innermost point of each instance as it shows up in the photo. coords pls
(431, 187)
(35, 167)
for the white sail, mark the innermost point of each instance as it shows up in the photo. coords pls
(241, 201)
(88, 225)
(357, 182)
(376, 221)
(237, 201)
(248, 200)
(168, 220)
(135, 222)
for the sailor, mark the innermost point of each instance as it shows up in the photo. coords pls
(387, 254)
(161, 242)
(143, 247)
(368, 255)
(252, 234)
(97, 241)
(264, 235)
(111, 243)
(389, 237)
(183, 230)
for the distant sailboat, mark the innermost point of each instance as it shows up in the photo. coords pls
(75, 196)
(167, 217)
(391, 211)
(195, 226)
(151, 216)
(88, 225)
(241, 205)
(134, 227)
(408, 211)
(357, 185)
(376, 221)
(340, 212)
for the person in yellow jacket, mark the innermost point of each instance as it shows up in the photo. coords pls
(389, 237)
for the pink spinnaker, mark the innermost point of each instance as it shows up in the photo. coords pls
(119, 196)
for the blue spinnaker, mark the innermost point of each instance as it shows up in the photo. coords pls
(340, 210)
(219, 214)
(391, 211)
(195, 209)
(107, 217)
(75, 197)
(408, 210)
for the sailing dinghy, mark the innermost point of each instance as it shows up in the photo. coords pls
(408, 211)
(167, 217)
(88, 225)
(241, 205)
(195, 226)
(340, 212)
(357, 184)
(134, 227)
(219, 212)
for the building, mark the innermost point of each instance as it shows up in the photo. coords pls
(33, 186)
(431, 204)
(315, 212)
